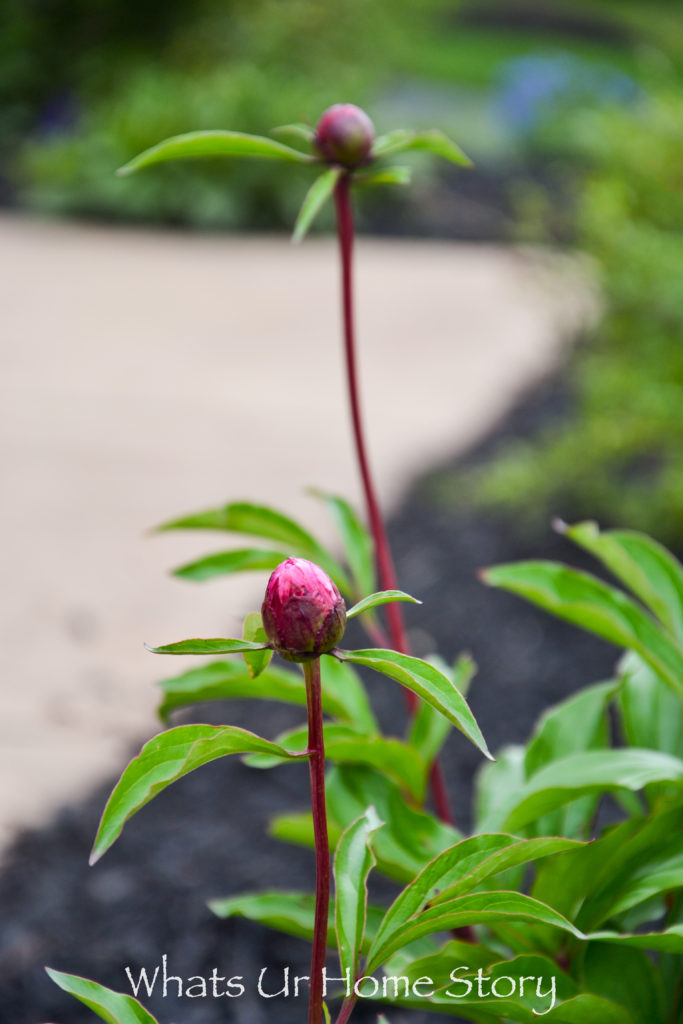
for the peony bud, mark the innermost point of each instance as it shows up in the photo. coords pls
(345, 135)
(303, 613)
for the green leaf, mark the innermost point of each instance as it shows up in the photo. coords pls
(290, 912)
(462, 868)
(525, 1007)
(298, 133)
(353, 862)
(112, 1007)
(474, 908)
(576, 724)
(216, 645)
(587, 602)
(409, 838)
(496, 786)
(166, 758)
(346, 745)
(644, 566)
(224, 563)
(374, 600)
(590, 772)
(647, 864)
(253, 632)
(429, 728)
(316, 197)
(192, 145)
(384, 176)
(343, 685)
(651, 714)
(357, 542)
(668, 941)
(343, 695)
(431, 141)
(262, 521)
(625, 976)
(428, 683)
(585, 884)
(438, 966)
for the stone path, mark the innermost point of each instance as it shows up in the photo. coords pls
(147, 374)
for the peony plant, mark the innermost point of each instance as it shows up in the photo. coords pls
(548, 908)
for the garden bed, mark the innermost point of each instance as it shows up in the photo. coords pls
(205, 837)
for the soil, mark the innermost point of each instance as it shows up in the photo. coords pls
(205, 836)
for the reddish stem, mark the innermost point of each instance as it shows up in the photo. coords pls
(385, 563)
(316, 763)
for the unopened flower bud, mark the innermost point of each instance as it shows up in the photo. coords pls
(345, 135)
(303, 613)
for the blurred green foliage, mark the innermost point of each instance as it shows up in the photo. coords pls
(243, 64)
(619, 456)
(86, 84)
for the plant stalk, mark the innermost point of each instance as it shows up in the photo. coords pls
(385, 562)
(316, 764)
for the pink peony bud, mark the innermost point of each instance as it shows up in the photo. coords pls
(304, 614)
(345, 135)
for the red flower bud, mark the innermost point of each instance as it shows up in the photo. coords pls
(304, 614)
(345, 135)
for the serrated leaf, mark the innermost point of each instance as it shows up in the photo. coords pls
(168, 757)
(216, 645)
(346, 745)
(462, 868)
(353, 862)
(193, 145)
(428, 683)
(474, 908)
(253, 632)
(585, 601)
(112, 1007)
(430, 141)
(253, 520)
(375, 600)
(225, 563)
(384, 176)
(356, 539)
(651, 572)
(590, 772)
(316, 197)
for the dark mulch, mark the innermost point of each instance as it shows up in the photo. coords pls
(204, 837)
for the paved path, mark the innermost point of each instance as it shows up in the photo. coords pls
(146, 374)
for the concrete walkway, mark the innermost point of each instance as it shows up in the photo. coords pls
(147, 374)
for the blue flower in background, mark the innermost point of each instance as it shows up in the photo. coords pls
(531, 88)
